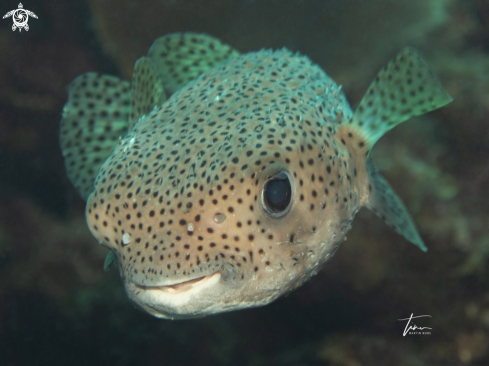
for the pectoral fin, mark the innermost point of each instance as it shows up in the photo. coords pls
(110, 261)
(406, 87)
(388, 206)
(94, 118)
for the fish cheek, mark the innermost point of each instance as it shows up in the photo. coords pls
(99, 225)
(222, 233)
(328, 230)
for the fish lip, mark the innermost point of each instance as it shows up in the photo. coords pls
(184, 300)
(180, 287)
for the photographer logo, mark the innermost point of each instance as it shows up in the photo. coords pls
(413, 329)
(20, 17)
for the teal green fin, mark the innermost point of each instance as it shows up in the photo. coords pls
(94, 118)
(181, 57)
(406, 87)
(147, 90)
(388, 206)
(110, 261)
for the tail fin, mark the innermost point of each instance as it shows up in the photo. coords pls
(406, 87)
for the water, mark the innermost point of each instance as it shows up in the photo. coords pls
(58, 306)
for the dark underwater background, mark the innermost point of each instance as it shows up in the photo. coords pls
(58, 306)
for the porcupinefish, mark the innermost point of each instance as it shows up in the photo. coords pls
(240, 186)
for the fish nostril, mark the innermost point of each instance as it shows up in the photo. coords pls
(219, 218)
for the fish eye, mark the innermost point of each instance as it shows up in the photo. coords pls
(276, 196)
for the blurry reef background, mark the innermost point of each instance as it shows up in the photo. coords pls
(58, 306)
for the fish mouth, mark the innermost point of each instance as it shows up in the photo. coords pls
(180, 287)
(181, 300)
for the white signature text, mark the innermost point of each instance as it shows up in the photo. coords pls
(412, 328)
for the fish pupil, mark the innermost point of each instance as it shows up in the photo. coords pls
(277, 193)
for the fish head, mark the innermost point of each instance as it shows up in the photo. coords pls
(203, 220)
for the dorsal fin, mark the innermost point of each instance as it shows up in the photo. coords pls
(406, 87)
(147, 90)
(94, 118)
(181, 57)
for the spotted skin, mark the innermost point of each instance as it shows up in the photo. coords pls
(179, 201)
(102, 108)
(209, 150)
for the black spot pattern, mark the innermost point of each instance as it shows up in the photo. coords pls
(404, 88)
(181, 57)
(181, 196)
(147, 90)
(188, 161)
(94, 118)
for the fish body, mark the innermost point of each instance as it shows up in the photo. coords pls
(242, 184)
